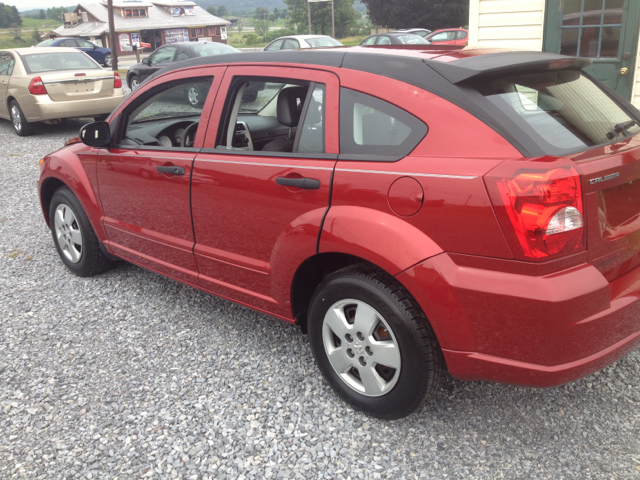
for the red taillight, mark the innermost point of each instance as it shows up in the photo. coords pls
(117, 81)
(539, 207)
(36, 87)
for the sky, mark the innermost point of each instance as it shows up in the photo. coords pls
(29, 4)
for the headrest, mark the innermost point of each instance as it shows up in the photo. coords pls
(288, 113)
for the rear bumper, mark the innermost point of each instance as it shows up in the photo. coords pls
(523, 329)
(43, 108)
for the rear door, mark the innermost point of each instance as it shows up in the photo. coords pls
(144, 178)
(262, 180)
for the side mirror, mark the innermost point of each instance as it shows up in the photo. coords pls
(145, 60)
(96, 134)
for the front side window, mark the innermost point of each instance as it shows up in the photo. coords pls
(51, 62)
(369, 41)
(273, 115)
(6, 64)
(383, 41)
(564, 111)
(376, 129)
(164, 55)
(276, 45)
(169, 117)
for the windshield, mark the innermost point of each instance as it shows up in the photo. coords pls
(51, 62)
(209, 49)
(323, 42)
(412, 39)
(46, 43)
(562, 110)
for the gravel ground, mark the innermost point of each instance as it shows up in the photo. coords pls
(132, 375)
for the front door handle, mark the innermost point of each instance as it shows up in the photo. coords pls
(306, 183)
(171, 169)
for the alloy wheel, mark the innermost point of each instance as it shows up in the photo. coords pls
(193, 95)
(361, 347)
(107, 60)
(16, 118)
(68, 233)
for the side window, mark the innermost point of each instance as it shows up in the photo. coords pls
(168, 117)
(181, 56)
(273, 115)
(68, 43)
(84, 43)
(5, 64)
(369, 41)
(163, 56)
(275, 45)
(376, 129)
(383, 41)
(461, 35)
(440, 37)
(290, 44)
(311, 137)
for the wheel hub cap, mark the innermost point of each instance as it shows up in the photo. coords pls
(15, 116)
(361, 347)
(68, 234)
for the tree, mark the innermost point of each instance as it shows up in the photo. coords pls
(8, 15)
(276, 13)
(261, 13)
(222, 11)
(212, 10)
(42, 15)
(252, 39)
(36, 35)
(345, 17)
(431, 14)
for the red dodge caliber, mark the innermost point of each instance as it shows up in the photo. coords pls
(413, 210)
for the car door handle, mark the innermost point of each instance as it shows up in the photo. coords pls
(306, 183)
(171, 169)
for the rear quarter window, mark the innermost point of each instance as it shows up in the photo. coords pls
(375, 130)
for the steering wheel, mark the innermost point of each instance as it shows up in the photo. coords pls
(184, 141)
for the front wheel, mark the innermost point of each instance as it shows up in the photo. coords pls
(194, 97)
(107, 60)
(73, 236)
(373, 344)
(134, 82)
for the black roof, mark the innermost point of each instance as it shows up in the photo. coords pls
(449, 80)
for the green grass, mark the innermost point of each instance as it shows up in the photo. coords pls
(35, 22)
(7, 41)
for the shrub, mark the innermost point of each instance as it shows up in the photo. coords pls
(251, 39)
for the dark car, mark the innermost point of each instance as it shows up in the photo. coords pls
(413, 210)
(173, 52)
(423, 32)
(394, 38)
(102, 55)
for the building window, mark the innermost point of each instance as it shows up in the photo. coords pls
(218, 31)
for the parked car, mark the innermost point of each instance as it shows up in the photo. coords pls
(49, 84)
(423, 32)
(302, 41)
(171, 53)
(413, 211)
(449, 36)
(102, 55)
(394, 38)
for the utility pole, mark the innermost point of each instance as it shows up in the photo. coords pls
(333, 22)
(113, 37)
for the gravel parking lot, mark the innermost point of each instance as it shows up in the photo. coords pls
(132, 375)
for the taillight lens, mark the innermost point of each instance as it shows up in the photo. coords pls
(36, 87)
(539, 207)
(117, 81)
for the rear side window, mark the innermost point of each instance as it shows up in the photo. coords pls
(564, 111)
(372, 129)
(50, 62)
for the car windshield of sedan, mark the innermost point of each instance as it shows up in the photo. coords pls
(209, 49)
(564, 110)
(323, 42)
(52, 62)
(412, 39)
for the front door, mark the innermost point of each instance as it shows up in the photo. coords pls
(6, 69)
(144, 178)
(261, 183)
(604, 30)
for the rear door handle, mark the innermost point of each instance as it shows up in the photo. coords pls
(306, 183)
(171, 169)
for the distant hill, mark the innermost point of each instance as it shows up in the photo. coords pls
(243, 5)
(36, 11)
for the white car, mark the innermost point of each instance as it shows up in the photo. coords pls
(302, 41)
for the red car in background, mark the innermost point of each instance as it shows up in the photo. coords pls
(449, 36)
(415, 211)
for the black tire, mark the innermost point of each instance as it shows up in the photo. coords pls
(421, 366)
(90, 260)
(134, 82)
(194, 96)
(18, 120)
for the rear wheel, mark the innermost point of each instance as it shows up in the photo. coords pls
(20, 124)
(73, 236)
(107, 60)
(194, 97)
(373, 344)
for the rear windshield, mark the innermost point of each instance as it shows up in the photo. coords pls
(46, 43)
(563, 111)
(209, 49)
(323, 42)
(52, 62)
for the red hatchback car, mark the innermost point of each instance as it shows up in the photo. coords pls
(414, 211)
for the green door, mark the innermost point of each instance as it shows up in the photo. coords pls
(605, 30)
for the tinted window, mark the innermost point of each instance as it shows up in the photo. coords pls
(276, 45)
(376, 129)
(49, 62)
(564, 111)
